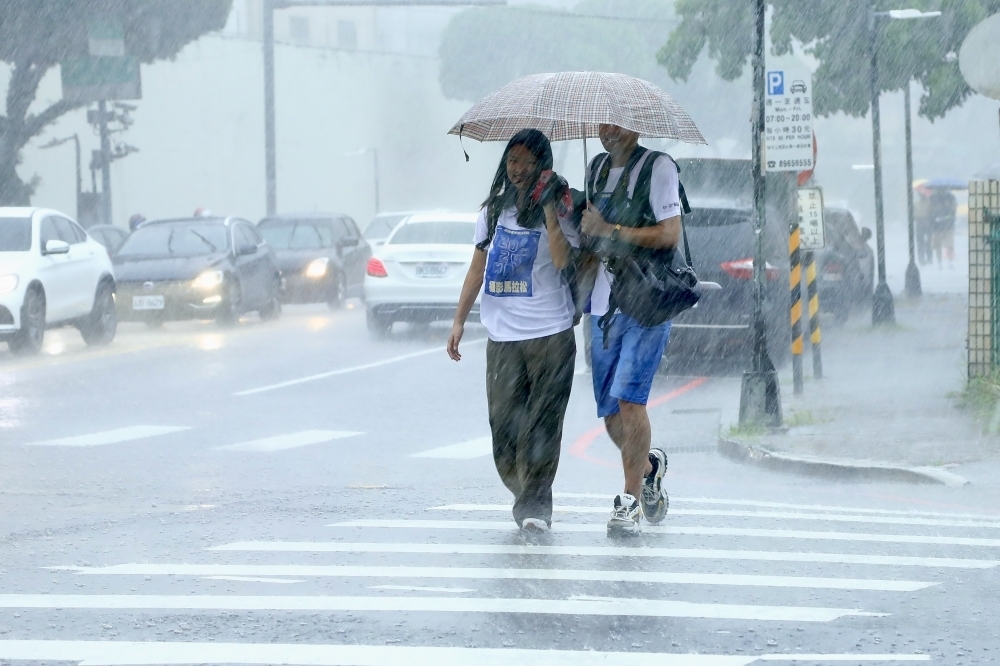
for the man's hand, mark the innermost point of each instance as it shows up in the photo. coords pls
(593, 223)
(457, 331)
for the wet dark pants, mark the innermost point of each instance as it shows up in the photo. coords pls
(527, 388)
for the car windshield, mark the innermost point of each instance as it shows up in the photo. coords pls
(381, 226)
(175, 240)
(295, 235)
(15, 234)
(445, 233)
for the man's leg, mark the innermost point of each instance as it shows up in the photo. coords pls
(630, 431)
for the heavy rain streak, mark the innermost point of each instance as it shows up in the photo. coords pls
(531, 332)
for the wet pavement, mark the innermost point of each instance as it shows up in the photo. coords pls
(291, 492)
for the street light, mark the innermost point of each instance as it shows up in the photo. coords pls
(79, 178)
(883, 309)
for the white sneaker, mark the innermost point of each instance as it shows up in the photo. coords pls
(534, 525)
(654, 497)
(626, 516)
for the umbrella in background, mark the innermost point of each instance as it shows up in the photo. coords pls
(946, 183)
(573, 105)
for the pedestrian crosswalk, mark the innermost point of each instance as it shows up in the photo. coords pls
(704, 574)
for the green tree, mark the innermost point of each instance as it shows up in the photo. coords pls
(35, 35)
(836, 33)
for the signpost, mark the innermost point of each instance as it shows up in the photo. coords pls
(788, 131)
(813, 237)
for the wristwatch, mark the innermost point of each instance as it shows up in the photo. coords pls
(614, 232)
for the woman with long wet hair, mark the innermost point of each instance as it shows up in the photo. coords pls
(524, 240)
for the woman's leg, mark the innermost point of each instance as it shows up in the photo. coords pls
(550, 364)
(506, 395)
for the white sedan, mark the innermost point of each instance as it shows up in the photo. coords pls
(52, 273)
(417, 275)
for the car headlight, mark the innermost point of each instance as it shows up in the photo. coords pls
(208, 280)
(317, 267)
(8, 283)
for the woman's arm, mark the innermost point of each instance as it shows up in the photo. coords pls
(470, 290)
(558, 245)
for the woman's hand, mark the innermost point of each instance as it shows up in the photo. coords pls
(593, 223)
(457, 331)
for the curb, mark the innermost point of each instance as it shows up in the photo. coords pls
(842, 469)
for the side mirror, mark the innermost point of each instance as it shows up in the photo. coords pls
(349, 241)
(246, 249)
(56, 247)
(866, 234)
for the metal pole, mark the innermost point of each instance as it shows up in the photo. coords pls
(375, 158)
(812, 293)
(270, 168)
(795, 286)
(79, 175)
(883, 309)
(105, 163)
(912, 272)
(760, 398)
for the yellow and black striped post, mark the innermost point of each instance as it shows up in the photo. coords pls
(795, 278)
(815, 337)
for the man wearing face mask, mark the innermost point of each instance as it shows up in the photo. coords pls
(635, 209)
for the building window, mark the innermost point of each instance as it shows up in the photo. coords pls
(347, 35)
(298, 29)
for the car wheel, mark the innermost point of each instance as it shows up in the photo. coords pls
(98, 328)
(339, 293)
(229, 309)
(28, 340)
(378, 326)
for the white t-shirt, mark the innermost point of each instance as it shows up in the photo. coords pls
(664, 198)
(524, 295)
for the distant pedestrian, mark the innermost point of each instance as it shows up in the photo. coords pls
(636, 206)
(524, 240)
(943, 206)
(135, 221)
(922, 223)
(200, 211)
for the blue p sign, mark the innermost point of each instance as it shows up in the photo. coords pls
(776, 83)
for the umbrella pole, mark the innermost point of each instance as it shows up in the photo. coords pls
(586, 181)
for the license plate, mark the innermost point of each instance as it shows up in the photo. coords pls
(431, 270)
(147, 302)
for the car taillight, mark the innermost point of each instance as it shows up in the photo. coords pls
(376, 268)
(833, 267)
(742, 269)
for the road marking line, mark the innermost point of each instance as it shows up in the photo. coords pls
(290, 441)
(252, 579)
(246, 571)
(616, 607)
(419, 588)
(770, 515)
(605, 551)
(356, 368)
(124, 653)
(112, 436)
(507, 526)
(475, 448)
(784, 505)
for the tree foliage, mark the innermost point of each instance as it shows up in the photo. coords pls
(35, 35)
(837, 34)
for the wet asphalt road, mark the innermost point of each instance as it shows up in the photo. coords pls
(292, 492)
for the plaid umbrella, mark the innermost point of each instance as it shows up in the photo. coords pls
(571, 105)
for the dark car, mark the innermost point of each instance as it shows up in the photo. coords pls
(196, 268)
(108, 235)
(322, 256)
(845, 267)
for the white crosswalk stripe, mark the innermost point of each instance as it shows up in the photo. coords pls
(112, 436)
(475, 448)
(290, 441)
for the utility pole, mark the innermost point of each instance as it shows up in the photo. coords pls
(883, 308)
(913, 288)
(760, 397)
(102, 112)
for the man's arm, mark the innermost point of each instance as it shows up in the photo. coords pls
(665, 234)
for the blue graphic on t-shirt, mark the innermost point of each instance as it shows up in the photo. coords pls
(510, 262)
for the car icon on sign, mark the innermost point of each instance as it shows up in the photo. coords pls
(798, 87)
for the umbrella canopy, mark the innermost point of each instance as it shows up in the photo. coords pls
(572, 105)
(946, 183)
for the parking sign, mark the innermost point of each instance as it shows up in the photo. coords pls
(788, 134)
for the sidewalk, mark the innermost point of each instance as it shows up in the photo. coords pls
(887, 402)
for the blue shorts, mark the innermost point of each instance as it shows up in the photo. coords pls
(625, 370)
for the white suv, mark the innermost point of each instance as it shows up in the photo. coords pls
(52, 273)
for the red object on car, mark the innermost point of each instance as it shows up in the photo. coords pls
(376, 268)
(742, 269)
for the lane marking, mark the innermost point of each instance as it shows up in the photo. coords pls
(580, 447)
(615, 607)
(248, 571)
(356, 368)
(125, 653)
(770, 515)
(252, 579)
(605, 551)
(290, 441)
(508, 526)
(474, 448)
(112, 436)
(419, 588)
(785, 505)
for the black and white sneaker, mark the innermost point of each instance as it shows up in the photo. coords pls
(626, 516)
(534, 526)
(654, 497)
